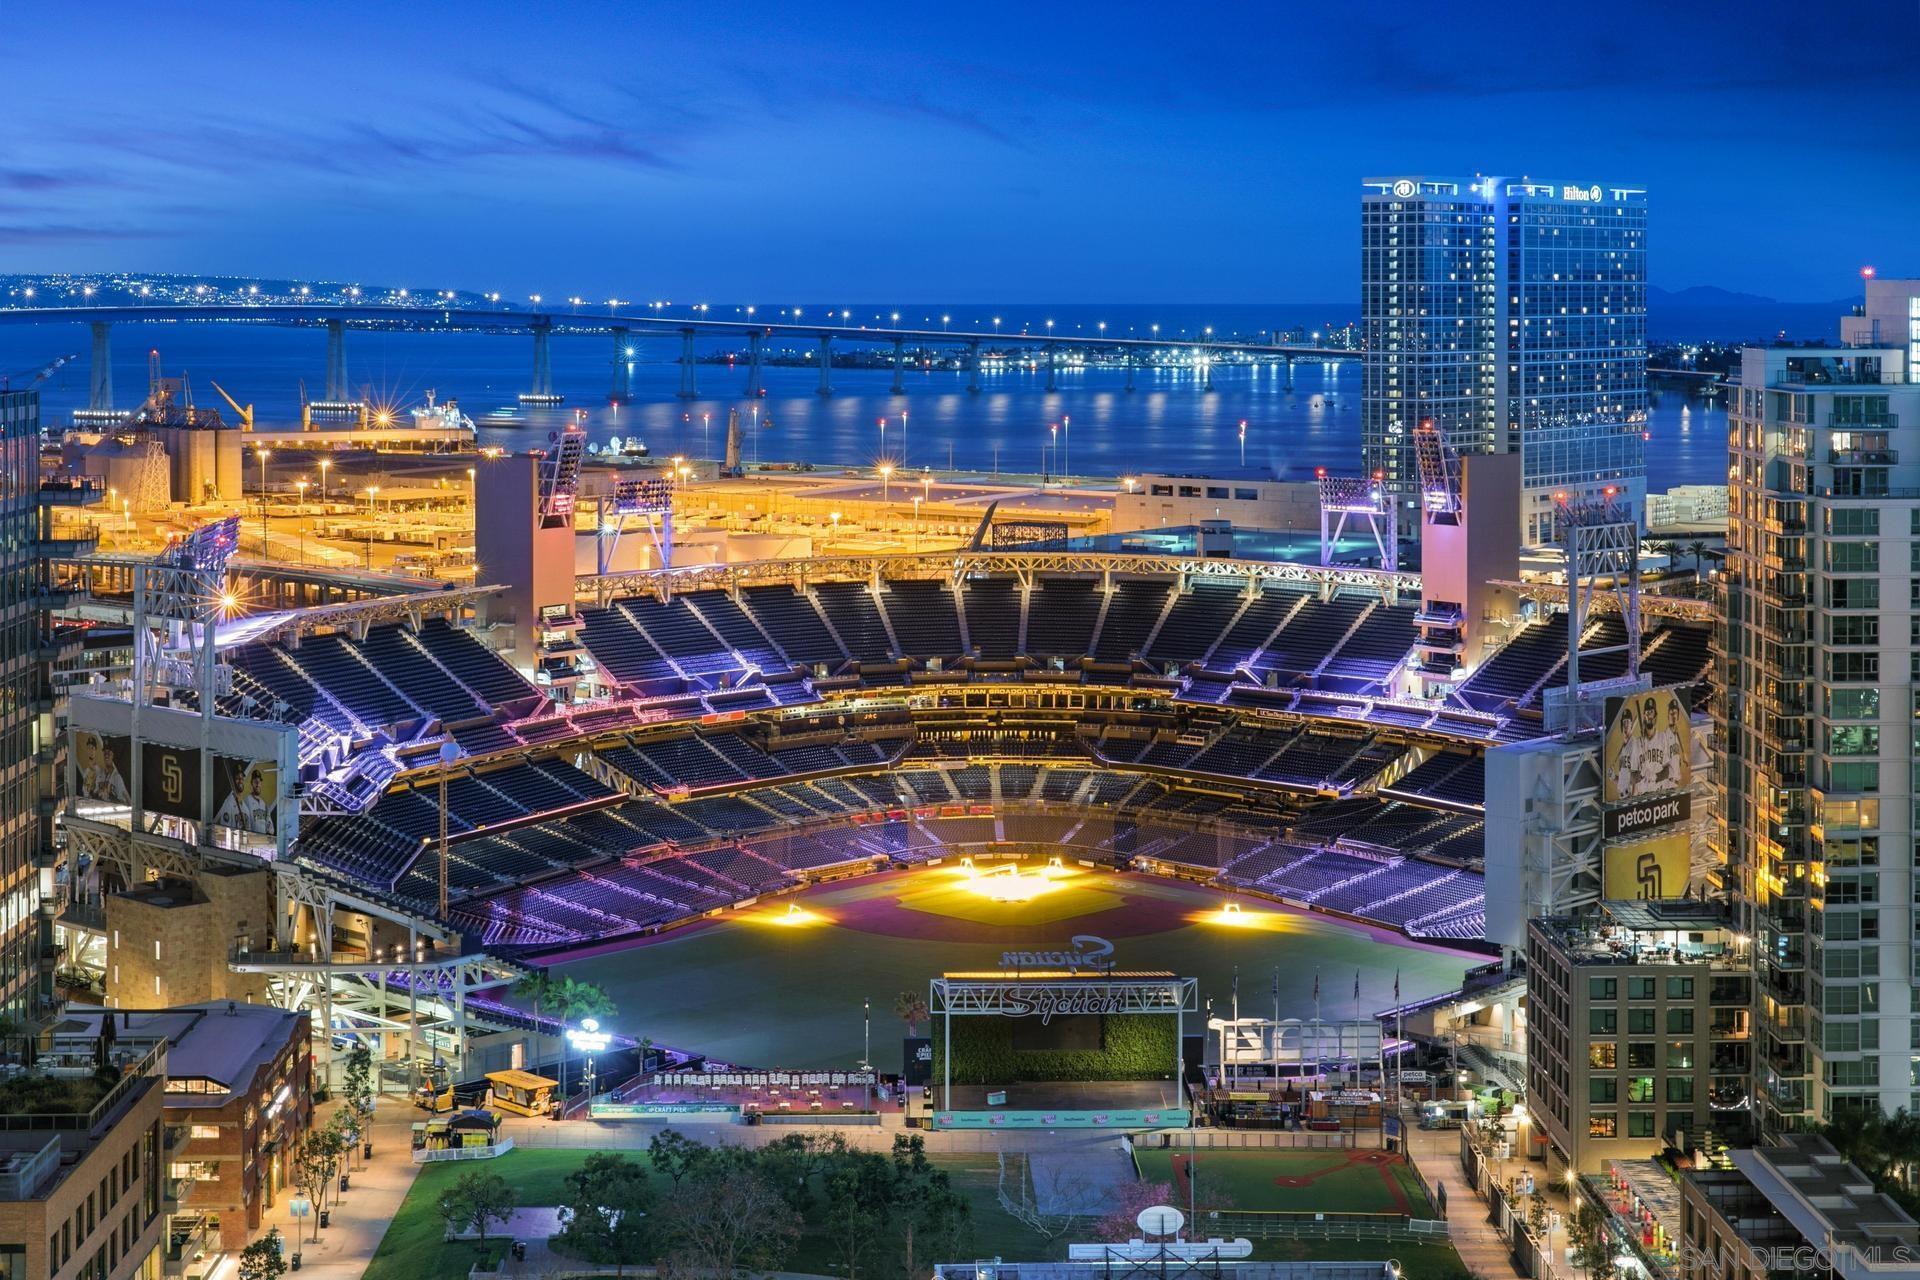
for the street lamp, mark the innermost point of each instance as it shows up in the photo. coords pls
(373, 491)
(589, 1039)
(263, 455)
(1243, 442)
(324, 464)
(301, 485)
(1129, 481)
(886, 482)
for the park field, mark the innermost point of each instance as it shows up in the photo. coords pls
(414, 1247)
(1290, 1181)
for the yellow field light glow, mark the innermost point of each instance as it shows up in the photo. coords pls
(1232, 915)
(794, 917)
(1010, 881)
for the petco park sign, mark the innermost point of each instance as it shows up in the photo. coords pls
(1089, 952)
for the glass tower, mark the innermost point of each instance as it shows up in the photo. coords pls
(1512, 313)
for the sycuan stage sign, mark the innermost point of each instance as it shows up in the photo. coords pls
(1089, 952)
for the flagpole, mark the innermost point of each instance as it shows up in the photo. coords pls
(1316, 1024)
(1273, 1032)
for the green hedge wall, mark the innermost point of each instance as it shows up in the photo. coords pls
(1136, 1047)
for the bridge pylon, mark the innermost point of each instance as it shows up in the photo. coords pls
(1053, 368)
(622, 389)
(826, 365)
(100, 383)
(973, 367)
(756, 387)
(899, 366)
(688, 389)
(336, 361)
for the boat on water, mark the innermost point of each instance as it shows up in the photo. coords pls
(441, 415)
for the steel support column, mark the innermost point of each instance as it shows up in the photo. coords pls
(899, 365)
(688, 391)
(100, 387)
(755, 386)
(826, 365)
(336, 361)
(1289, 386)
(622, 391)
(542, 358)
(1133, 358)
(973, 367)
(1053, 368)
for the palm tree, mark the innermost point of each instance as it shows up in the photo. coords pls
(911, 1008)
(571, 998)
(536, 987)
(1698, 550)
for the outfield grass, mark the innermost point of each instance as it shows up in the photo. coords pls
(1296, 1181)
(748, 988)
(414, 1247)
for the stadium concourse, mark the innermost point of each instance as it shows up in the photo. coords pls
(761, 738)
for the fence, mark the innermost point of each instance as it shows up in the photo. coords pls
(423, 1155)
(1204, 1139)
(1268, 1224)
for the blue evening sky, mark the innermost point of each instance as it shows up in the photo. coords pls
(972, 152)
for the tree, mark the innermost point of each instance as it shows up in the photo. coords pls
(675, 1154)
(608, 1201)
(930, 1219)
(723, 1221)
(359, 1096)
(1592, 1252)
(1698, 550)
(487, 1197)
(1122, 1221)
(537, 989)
(856, 1211)
(316, 1163)
(1048, 1203)
(911, 1008)
(570, 998)
(263, 1259)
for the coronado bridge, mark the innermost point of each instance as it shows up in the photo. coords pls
(337, 319)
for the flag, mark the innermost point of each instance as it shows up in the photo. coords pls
(1396, 986)
(1356, 984)
(1316, 985)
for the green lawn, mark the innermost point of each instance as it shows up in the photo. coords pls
(1335, 1181)
(1423, 1261)
(414, 1247)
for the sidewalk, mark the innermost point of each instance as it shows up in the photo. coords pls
(360, 1218)
(1436, 1153)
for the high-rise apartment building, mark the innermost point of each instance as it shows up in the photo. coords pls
(31, 530)
(1512, 314)
(1820, 663)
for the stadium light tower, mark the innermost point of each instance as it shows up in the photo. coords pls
(1602, 542)
(650, 498)
(1343, 498)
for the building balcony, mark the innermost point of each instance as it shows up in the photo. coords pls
(67, 544)
(1863, 457)
(72, 491)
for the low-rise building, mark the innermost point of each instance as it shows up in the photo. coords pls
(1638, 1030)
(1792, 1206)
(1247, 500)
(81, 1156)
(239, 1086)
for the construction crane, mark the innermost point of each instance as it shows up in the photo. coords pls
(246, 414)
(31, 378)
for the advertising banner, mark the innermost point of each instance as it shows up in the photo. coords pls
(1651, 869)
(1648, 748)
